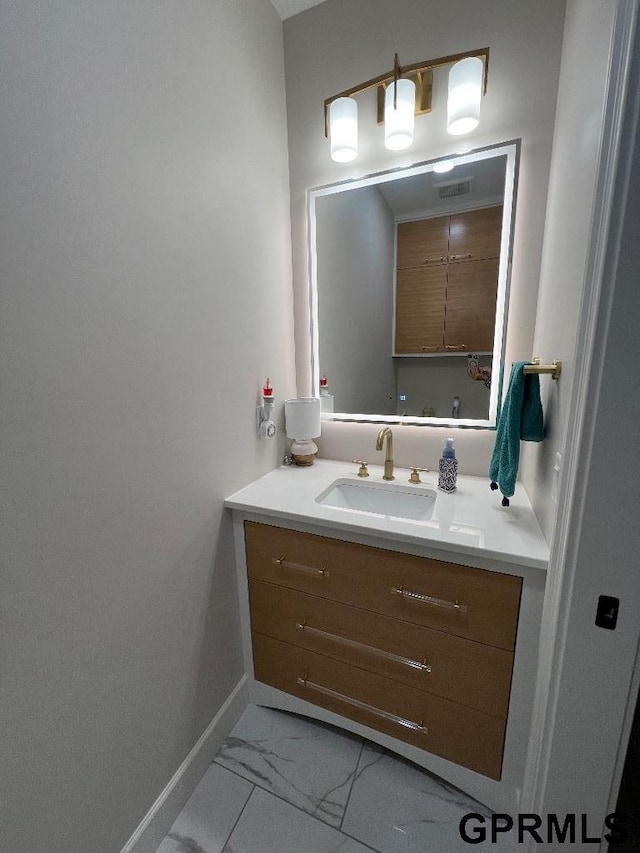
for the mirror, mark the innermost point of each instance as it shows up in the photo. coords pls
(409, 280)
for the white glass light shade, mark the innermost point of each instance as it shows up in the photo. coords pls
(399, 120)
(443, 166)
(302, 416)
(343, 129)
(465, 94)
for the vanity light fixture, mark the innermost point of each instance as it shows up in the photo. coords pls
(343, 119)
(404, 93)
(465, 94)
(399, 111)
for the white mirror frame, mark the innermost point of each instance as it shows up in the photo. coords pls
(512, 151)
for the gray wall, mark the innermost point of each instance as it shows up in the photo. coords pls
(337, 45)
(570, 208)
(592, 673)
(356, 237)
(435, 381)
(145, 295)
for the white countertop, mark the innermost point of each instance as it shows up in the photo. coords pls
(470, 520)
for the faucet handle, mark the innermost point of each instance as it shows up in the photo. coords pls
(415, 476)
(362, 472)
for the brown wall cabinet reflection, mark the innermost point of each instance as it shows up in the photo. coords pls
(446, 283)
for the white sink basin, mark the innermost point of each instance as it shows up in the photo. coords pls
(410, 502)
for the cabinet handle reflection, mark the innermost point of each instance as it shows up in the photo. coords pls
(456, 346)
(429, 599)
(354, 644)
(363, 706)
(298, 567)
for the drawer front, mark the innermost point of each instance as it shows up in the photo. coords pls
(470, 673)
(452, 731)
(473, 603)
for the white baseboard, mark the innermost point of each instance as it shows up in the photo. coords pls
(156, 823)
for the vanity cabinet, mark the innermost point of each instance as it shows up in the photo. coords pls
(446, 283)
(414, 647)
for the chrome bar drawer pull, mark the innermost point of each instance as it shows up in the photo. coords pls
(298, 567)
(362, 647)
(429, 599)
(377, 712)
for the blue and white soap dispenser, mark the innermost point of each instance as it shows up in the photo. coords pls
(448, 467)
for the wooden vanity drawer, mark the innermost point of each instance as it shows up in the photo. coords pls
(473, 603)
(470, 673)
(455, 732)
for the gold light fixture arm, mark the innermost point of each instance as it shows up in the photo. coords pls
(407, 71)
(397, 74)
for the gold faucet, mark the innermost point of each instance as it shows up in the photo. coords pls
(385, 432)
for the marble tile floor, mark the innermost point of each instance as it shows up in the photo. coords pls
(286, 784)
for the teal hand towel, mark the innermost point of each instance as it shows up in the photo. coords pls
(520, 420)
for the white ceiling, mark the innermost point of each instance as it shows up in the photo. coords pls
(289, 8)
(418, 194)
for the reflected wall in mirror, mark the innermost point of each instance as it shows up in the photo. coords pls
(409, 274)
